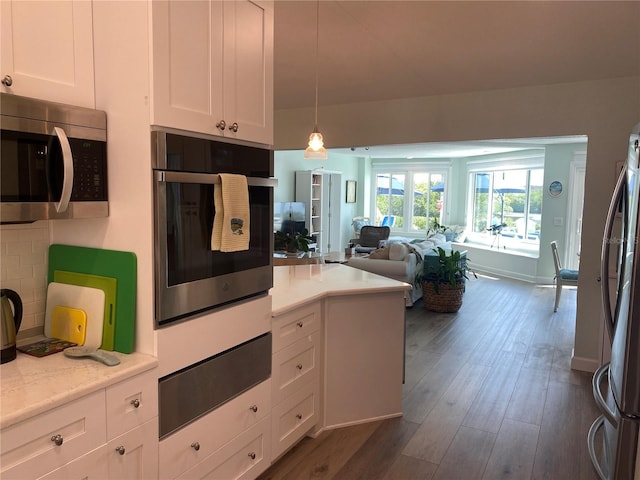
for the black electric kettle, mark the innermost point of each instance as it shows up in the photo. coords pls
(10, 323)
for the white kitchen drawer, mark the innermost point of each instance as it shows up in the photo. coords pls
(28, 449)
(90, 466)
(243, 458)
(131, 403)
(294, 366)
(178, 451)
(294, 417)
(293, 326)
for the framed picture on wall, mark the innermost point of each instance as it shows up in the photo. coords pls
(351, 191)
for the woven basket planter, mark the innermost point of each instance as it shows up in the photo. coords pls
(448, 299)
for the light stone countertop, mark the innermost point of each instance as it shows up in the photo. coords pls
(296, 285)
(32, 385)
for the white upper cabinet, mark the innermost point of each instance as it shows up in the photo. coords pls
(47, 50)
(213, 68)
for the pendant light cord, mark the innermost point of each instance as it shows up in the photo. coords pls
(317, 56)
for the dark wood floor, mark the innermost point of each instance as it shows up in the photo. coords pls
(489, 394)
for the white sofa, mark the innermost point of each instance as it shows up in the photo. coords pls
(401, 260)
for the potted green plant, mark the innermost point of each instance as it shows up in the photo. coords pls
(436, 227)
(292, 242)
(443, 281)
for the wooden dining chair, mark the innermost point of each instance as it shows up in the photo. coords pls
(564, 277)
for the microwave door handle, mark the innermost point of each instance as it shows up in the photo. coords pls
(606, 248)
(67, 162)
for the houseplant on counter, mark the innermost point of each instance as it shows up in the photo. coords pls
(443, 281)
(292, 242)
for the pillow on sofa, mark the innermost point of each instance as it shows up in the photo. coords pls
(438, 238)
(425, 245)
(380, 253)
(397, 251)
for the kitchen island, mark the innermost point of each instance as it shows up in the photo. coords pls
(360, 346)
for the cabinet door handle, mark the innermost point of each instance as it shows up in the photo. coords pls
(298, 416)
(253, 408)
(234, 127)
(7, 81)
(221, 125)
(252, 455)
(135, 402)
(195, 446)
(120, 450)
(300, 324)
(57, 439)
(299, 366)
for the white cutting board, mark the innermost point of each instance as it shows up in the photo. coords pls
(91, 300)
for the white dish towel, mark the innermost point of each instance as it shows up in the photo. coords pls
(231, 223)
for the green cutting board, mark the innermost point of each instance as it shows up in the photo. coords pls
(105, 263)
(108, 285)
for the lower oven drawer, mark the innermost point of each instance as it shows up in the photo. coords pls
(194, 391)
(189, 446)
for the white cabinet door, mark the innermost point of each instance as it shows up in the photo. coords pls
(134, 455)
(47, 50)
(187, 65)
(248, 72)
(213, 68)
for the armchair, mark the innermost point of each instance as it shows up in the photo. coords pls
(370, 238)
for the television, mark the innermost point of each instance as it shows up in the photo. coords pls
(289, 217)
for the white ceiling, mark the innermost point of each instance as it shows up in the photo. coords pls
(381, 50)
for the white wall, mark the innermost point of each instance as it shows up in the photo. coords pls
(604, 110)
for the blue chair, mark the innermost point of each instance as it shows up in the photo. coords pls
(388, 221)
(564, 276)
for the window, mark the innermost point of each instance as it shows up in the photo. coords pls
(408, 201)
(507, 207)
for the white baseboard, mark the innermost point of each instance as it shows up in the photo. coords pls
(584, 364)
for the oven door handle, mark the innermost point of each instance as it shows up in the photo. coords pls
(208, 178)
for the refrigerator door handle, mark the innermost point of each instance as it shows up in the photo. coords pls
(591, 444)
(606, 247)
(599, 398)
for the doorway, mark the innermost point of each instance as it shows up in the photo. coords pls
(577, 172)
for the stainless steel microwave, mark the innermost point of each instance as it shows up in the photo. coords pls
(53, 162)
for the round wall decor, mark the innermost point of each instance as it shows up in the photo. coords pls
(555, 188)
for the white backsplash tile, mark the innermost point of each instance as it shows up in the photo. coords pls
(23, 267)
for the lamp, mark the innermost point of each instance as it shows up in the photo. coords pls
(316, 149)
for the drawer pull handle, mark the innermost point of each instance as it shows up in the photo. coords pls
(252, 455)
(253, 408)
(300, 324)
(299, 417)
(299, 366)
(120, 450)
(57, 439)
(135, 402)
(195, 446)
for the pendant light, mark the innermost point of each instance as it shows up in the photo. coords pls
(316, 149)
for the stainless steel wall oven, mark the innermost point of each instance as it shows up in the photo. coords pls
(189, 276)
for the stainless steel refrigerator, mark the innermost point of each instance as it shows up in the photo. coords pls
(616, 385)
